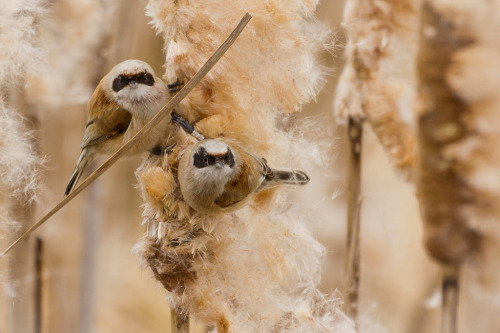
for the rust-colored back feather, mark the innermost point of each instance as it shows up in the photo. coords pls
(245, 182)
(106, 119)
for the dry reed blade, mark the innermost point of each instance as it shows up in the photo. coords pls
(355, 134)
(144, 131)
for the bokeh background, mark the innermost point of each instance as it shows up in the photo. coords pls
(92, 280)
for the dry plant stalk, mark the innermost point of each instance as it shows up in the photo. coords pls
(378, 80)
(458, 177)
(450, 291)
(353, 261)
(254, 270)
(180, 322)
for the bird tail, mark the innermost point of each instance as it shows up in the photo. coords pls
(293, 177)
(81, 165)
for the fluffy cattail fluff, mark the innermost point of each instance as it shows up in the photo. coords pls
(459, 128)
(254, 270)
(76, 50)
(19, 163)
(19, 54)
(378, 81)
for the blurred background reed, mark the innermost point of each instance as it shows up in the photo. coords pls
(91, 280)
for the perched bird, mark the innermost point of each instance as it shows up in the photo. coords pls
(219, 176)
(123, 102)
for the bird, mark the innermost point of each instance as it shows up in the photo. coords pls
(123, 102)
(219, 176)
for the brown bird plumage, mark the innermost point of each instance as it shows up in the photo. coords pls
(219, 176)
(123, 102)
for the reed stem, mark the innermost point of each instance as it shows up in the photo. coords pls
(450, 290)
(355, 134)
(179, 321)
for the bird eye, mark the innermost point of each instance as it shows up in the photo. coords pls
(119, 83)
(147, 79)
(205, 160)
(229, 158)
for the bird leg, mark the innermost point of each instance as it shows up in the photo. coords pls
(186, 126)
(160, 150)
(175, 87)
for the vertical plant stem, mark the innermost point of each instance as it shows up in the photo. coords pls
(355, 134)
(38, 284)
(21, 272)
(92, 220)
(450, 290)
(179, 321)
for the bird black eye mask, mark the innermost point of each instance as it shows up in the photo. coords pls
(199, 158)
(122, 81)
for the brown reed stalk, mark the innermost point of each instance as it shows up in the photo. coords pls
(143, 131)
(449, 309)
(355, 134)
(179, 321)
(38, 249)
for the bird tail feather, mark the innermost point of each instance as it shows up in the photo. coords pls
(293, 177)
(81, 165)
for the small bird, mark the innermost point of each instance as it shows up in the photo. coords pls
(219, 176)
(123, 102)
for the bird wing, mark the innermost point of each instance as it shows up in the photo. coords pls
(229, 198)
(244, 184)
(106, 120)
(265, 171)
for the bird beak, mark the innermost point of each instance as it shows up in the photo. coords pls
(219, 164)
(132, 84)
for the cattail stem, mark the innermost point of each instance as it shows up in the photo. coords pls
(450, 290)
(179, 321)
(38, 284)
(165, 110)
(355, 134)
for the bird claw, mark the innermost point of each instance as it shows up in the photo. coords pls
(175, 87)
(162, 150)
(186, 126)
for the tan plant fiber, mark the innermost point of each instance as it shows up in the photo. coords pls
(254, 270)
(76, 51)
(19, 163)
(459, 182)
(378, 81)
(19, 54)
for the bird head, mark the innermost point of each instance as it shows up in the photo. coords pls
(215, 156)
(133, 84)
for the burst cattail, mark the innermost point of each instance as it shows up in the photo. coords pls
(378, 81)
(458, 121)
(255, 269)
